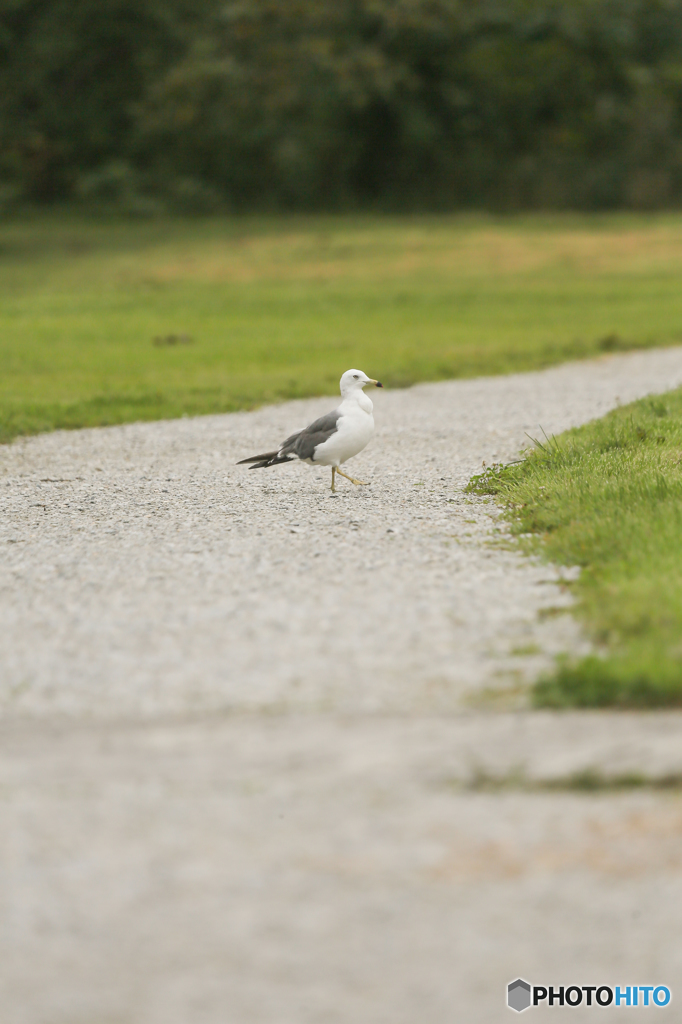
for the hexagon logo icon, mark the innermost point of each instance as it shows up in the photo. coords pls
(518, 995)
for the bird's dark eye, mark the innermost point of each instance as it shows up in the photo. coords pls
(355, 376)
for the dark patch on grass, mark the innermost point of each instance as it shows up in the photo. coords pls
(161, 340)
(614, 343)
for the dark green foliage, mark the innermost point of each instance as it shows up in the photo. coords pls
(71, 72)
(337, 103)
(608, 498)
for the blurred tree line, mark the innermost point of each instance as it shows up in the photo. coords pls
(336, 104)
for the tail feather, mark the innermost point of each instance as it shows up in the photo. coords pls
(265, 460)
(259, 458)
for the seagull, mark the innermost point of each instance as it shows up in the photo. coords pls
(334, 438)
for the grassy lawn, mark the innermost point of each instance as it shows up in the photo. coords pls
(608, 497)
(278, 308)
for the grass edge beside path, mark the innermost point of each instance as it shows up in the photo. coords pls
(607, 497)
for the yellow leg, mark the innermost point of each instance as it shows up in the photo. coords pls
(333, 472)
(360, 483)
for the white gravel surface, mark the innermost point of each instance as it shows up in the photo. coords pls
(238, 723)
(145, 572)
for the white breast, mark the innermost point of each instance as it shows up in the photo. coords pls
(354, 431)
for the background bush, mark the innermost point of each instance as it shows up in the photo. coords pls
(333, 104)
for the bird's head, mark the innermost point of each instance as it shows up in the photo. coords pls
(356, 380)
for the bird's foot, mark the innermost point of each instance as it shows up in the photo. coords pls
(358, 483)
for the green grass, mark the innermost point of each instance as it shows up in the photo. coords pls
(608, 497)
(586, 780)
(278, 308)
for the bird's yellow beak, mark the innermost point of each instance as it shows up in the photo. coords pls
(376, 382)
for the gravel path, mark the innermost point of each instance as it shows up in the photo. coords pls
(239, 717)
(146, 573)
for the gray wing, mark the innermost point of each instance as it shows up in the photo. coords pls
(306, 441)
